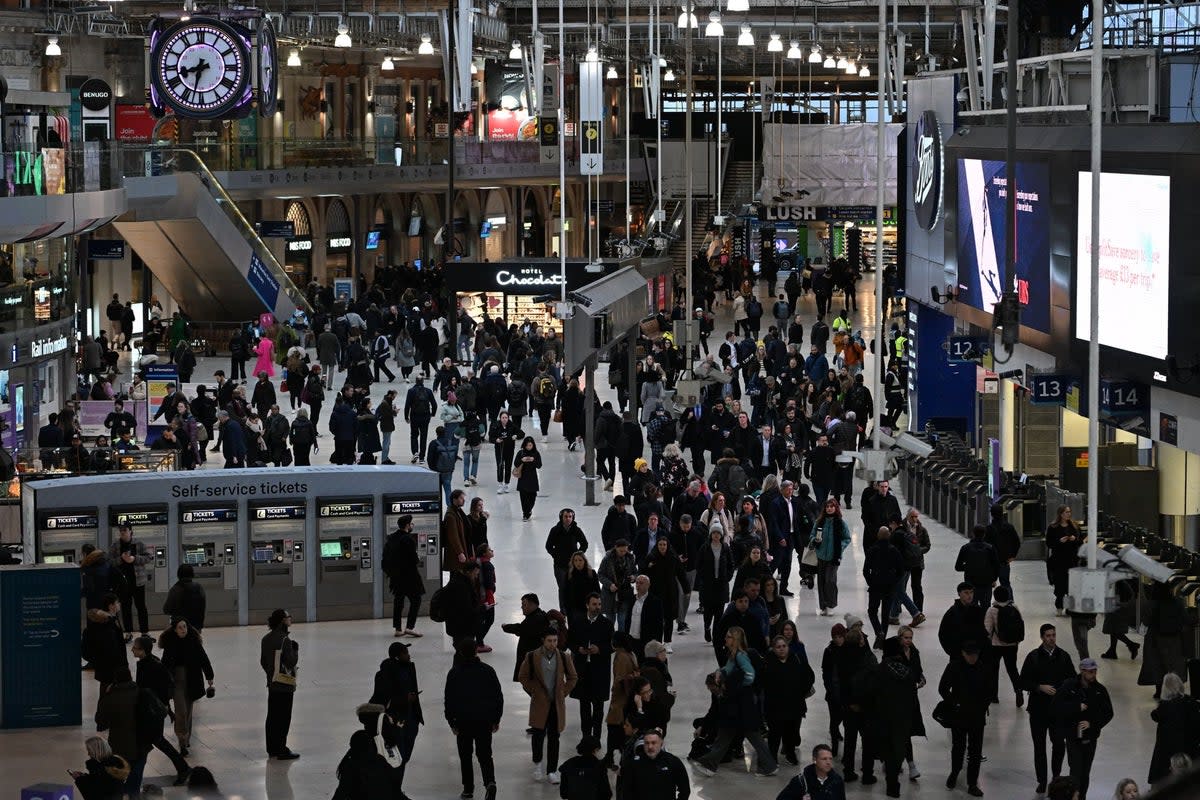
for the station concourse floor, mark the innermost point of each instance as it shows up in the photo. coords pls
(338, 661)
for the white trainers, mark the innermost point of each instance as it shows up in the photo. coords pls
(670, 650)
(538, 772)
(553, 778)
(545, 439)
(913, 771)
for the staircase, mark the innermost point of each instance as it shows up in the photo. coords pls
(702, 214)
(741, 183)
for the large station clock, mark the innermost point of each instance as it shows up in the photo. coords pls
(200, 68)
(268, 62)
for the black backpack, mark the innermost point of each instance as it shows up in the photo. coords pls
(1010, 625)
(420, 405)
(754, 309)
(437, 605)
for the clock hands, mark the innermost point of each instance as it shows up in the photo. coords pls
(201, 65)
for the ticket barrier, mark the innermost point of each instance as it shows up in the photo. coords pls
(277, 561)
(61, 535)
(346, 573)
(149, 525)
(426, 518)
(208, 543)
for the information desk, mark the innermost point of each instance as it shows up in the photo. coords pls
(258, 539)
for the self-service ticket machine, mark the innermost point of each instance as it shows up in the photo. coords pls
(277, 560)
(208, 543)
(427, 522)
(149, 525)
(346, 574)
(61, 535)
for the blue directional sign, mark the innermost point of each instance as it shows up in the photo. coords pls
(967, 349)
(1050, 389)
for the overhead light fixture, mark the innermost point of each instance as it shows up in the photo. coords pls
(746, 37)
(612, 73)
(426, 46)
(714, 26)
(592, 56)
(514, 54)
(662, 62)
(737, 5)
(388, 65)
(293, 58)
(814, 55)
(52, 48)
(841, 61)
(865, 72)
(189, 6)
(851, 68)
(687, 19)
(343, 34)
(669, 75)
(775, 45)
(829, 63)
(794, 51)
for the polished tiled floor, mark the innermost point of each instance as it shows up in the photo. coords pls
(338, 660)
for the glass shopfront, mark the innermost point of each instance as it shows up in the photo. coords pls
(36, 283)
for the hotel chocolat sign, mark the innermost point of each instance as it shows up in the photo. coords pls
(95, 95)
(929, 168)
(532, 278)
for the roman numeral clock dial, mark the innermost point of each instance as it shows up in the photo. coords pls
(201, 68)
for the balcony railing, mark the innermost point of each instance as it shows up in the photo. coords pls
(38, 171)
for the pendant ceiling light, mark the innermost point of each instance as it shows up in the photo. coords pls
(714, 26)
(592, 56)
(829, 63)
(814, 55)
(52, 47)
(865, 72)
(426, 46)
(841, 61)
(515, 53)
(775, 45)
(388, 65)
(746, 37)
(293, 58)
(737, 5)
(669, 75)
(851, 67)
(612, 73)
(343, 34)
(794, 51)
(687, 19)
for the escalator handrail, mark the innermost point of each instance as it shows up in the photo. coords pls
(234, 214)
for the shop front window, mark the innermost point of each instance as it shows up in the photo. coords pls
(37, 284)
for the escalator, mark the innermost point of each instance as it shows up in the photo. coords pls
(196, 241)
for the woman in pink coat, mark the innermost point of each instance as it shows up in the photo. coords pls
(266, 357)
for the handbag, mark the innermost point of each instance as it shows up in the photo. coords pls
(944, 713)
(558, 415)
(516, 472)
(809, 559)
(278, 676)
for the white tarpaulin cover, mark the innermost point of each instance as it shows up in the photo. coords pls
(835, 164)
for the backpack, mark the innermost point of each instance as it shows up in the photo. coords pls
(1010, 626)
(781, 310)
(472, 435)
(736, 481)
(420, 405)
(445, 460)
(754, 309)
(545, 389)
(382, 348)
(516, 393)
(437, 605)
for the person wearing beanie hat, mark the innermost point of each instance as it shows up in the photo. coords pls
(1006, 629)
(279, 657)
(1082, 707)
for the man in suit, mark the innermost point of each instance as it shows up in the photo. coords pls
(590, 642)
(788, 526)
(645, 617)
(646, 538)
(765, 452)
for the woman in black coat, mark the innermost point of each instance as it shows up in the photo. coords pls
(1178, 718)
(529, 461)
(367, 433)
(786, 681)
(667, 576)
(754, 566)
(185, 658)
(580, 583)
(571, 404)
(714, 569)
(901, 648)
(777, 613)
(364, 774)
(1063, 540)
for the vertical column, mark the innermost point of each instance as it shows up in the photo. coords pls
(1178, 494)
(1008, 425)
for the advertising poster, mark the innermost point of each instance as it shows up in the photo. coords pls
(39, 647)
(982, 228)
(54, 165)
(1168, 428)
(135, 123)
(158, 376)
(1135, 257)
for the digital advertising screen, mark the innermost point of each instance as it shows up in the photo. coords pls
(982, 227)
(1135, 249)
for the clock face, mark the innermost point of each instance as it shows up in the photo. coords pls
(201, 68)
(268, 77)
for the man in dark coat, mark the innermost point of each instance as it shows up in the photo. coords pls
(1082, 708)
(1042, 672)
(962, 622)
(881, 508)
(965, 686)
(402, 566)
(889, 690)
(818, 781)
(652, 773)
(618, 523)
(474, 705)
(104, 641)
(590, 642)
(1002, 535)
(233, 440)
(629, 447)
(882, 569)
(462, 601)
(186, 598)
(529, 631)
(564, 540)
(154, 677)
(644, 620)
(979, 564)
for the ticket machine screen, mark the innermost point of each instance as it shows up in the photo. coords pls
(59, 559)
(263, 555)
(332, 548)
(196, 556)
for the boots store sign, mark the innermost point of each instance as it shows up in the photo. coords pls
(928, 178)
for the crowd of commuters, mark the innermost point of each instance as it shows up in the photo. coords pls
(728, 507)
